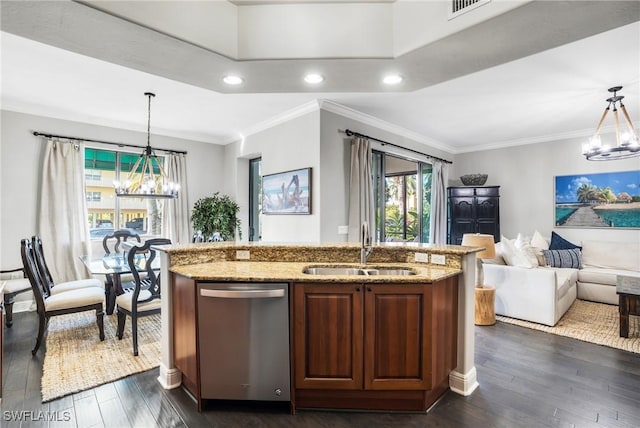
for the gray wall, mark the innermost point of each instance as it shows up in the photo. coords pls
(526, 174)
(20, 164)
(335, 160)
(291, 145)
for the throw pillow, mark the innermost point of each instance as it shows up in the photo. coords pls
(523, 243)
(512, 255)
(570, 258)
(539, 244)
(559, 243)
(538, 241)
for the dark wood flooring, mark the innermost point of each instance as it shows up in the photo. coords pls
(527, 379)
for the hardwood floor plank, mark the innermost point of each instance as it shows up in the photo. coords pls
(87, 411)
(113, 413)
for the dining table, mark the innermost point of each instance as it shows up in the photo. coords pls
(116, 265)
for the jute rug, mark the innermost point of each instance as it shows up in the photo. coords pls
(76, 359)
(590, 322)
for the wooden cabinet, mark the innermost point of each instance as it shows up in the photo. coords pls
(185, 317)
(328, 336)
(1, 338)
(373, 346)
(473, 210)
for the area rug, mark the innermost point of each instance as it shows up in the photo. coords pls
(76, 359)
(590, 322)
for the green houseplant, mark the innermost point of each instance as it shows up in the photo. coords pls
(217, 213)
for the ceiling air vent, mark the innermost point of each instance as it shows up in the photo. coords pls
(458, 7)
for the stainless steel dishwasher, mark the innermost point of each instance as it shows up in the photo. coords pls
(243, 332)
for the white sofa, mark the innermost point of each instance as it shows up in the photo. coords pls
(602, 261)
(540, 295)
(543, 294)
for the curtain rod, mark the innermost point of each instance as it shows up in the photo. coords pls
(357, 134)
(40, 134)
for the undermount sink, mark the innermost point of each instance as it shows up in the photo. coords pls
(333, 271)
(357, 271)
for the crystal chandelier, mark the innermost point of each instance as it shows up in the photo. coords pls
(143, 182)
(627, 142)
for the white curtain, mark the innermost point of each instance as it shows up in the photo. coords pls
(438, 226)
(63, 217)
(361, 203)
(175, 221)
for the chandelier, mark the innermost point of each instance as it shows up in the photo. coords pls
(143, 182)
(627, 143)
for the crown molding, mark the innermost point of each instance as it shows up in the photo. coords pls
(367, 119)
(570, 135)
(286, 116)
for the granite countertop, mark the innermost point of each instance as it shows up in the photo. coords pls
(293, 272)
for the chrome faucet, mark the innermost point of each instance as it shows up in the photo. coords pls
(366, 248)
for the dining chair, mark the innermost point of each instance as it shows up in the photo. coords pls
(47, 278)
(49, 305)
(15, 283)
(111, 244)
(144, 298)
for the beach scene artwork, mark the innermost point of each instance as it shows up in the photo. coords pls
(287, 192)
(608, 200)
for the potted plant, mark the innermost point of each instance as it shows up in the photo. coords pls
(216, 216)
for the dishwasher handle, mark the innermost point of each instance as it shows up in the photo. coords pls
(242, 294)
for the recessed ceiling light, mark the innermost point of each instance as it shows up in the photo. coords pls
(313, 78)
(232, 80)
(392, 79)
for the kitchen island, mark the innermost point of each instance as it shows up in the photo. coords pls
(414, 298)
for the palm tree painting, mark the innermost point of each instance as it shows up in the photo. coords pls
(608, 200)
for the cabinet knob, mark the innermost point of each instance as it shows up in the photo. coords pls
(368, 288)
(357, 288)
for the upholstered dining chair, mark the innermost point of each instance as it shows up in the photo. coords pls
(49, 305)
(47, 278)
(15, 283)
(144, 298)
(111, 244)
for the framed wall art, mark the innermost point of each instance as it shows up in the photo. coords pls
(287, 192)
(602, 200)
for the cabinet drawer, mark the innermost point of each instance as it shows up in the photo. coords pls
(487, 191)
(461, 191)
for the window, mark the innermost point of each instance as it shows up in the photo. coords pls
(402, 192)
(92, 175)
(255, 198)
(108, 213)
(93, 196)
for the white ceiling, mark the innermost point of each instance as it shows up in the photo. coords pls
(555, 93)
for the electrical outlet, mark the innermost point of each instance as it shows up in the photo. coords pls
(438, 259)
(243, 255)
(343, 230)
(421, 257)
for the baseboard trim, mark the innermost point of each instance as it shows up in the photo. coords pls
(463, 383)
(169, 378)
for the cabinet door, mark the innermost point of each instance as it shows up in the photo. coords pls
(397, 337)
(185, 333)
(328, 336)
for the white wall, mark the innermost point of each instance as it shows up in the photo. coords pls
(20, 165)
(526, 174)
(284, 147)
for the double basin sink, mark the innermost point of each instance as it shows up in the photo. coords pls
(350, 270)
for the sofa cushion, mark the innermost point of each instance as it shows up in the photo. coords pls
(566, 278)
(498, 259)
(523, 243)
(563, 258)
(611, 255)
(559, 243)
(602, 276)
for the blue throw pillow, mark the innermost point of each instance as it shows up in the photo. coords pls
(571, 258)
(559, 243)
